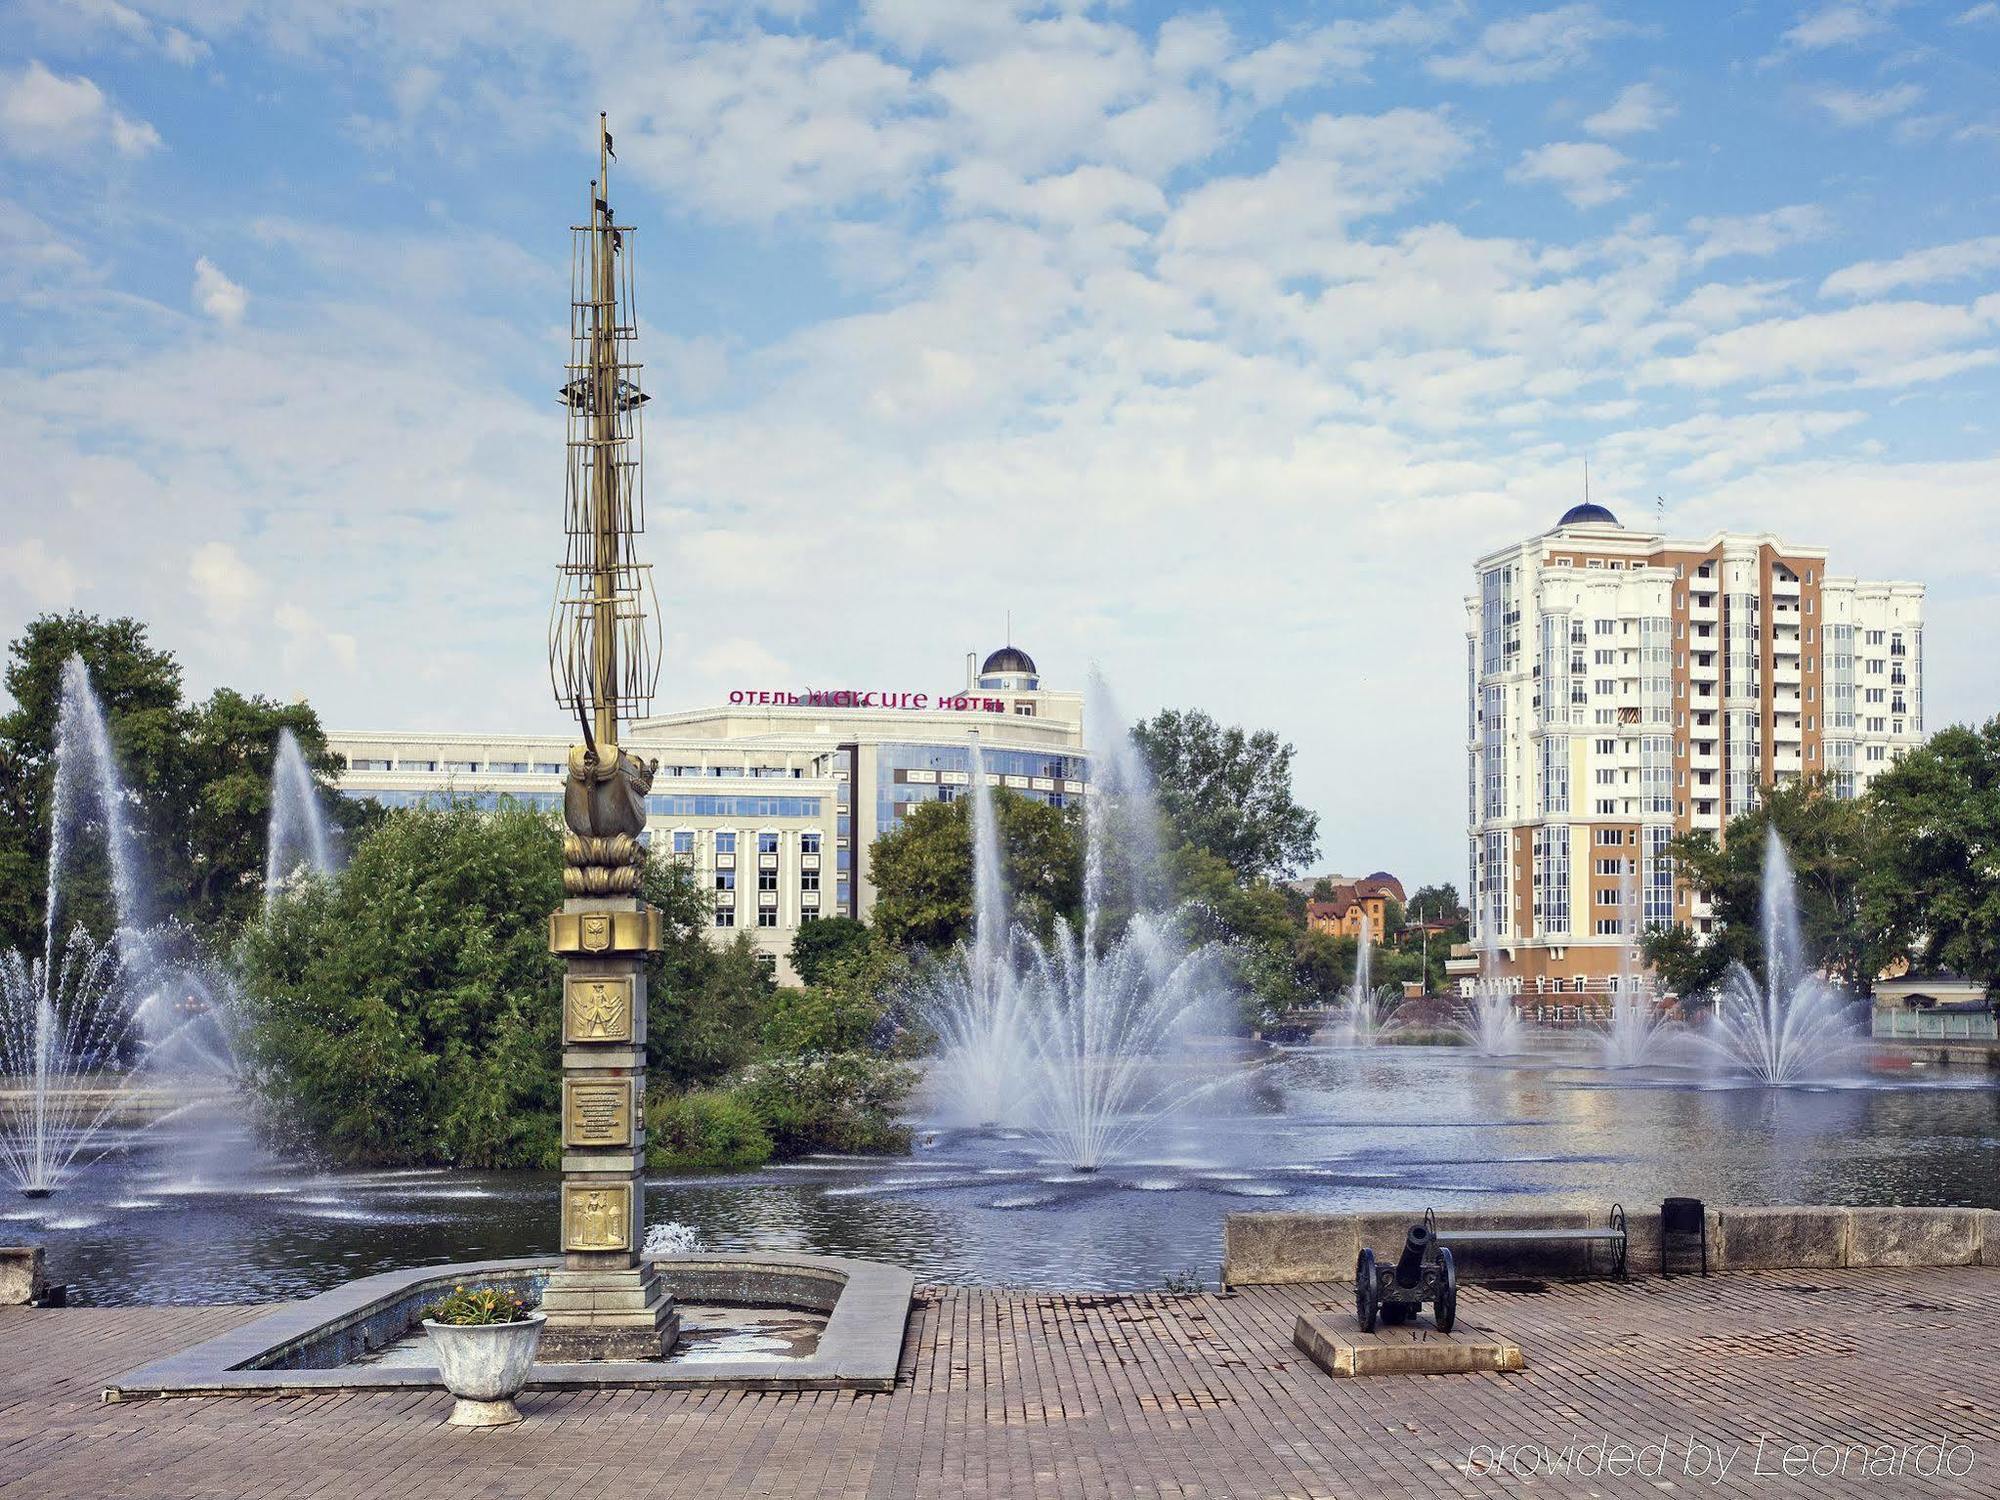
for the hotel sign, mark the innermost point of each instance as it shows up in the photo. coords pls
(857, 698)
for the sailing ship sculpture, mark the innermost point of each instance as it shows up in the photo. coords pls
(604, 1302)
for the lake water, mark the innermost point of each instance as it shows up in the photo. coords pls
(194, 1211)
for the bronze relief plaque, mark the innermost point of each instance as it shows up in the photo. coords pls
(597, 1216)
(597, 1009)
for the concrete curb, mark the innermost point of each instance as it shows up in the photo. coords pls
(1279, 1248)
(295, 1349)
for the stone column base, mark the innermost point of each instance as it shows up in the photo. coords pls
(607, 1315)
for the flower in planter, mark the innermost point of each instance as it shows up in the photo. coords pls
(478, 1307)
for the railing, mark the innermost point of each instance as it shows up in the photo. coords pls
(1938, 1026)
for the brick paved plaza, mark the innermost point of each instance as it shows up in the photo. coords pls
(1084, 1395)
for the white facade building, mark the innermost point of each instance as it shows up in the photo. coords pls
(1623, 687)
(775, 796)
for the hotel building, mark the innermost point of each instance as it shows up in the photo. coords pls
(774, 797)
(1621, 688)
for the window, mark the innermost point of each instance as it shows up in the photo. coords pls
(809, 843)
(725, 843)
(725, 880)
(725, 916)
(767, 916)
(1875, 752)
(767, 880)
(1610, 836)
(767, 843)
(683, 841)
(1607, 747)
(1608, 896)
(808, 880)
(1606, 927)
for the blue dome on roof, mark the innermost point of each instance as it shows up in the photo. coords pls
(1590, 513)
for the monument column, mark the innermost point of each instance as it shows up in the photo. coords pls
(604, 1302)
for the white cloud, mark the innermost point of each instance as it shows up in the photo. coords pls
(1639, 107)
(1984, 13)
(38, 578)
(1870, 278)
(1586, 172)
(45, 114)
(223, 583)
(1336, 169)
(1878, 344)
(1852, 107)
(216, 295)
(1758, 234)
(1525, 49)
(1839, 25)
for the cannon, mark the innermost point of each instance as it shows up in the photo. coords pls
(1395, 1294)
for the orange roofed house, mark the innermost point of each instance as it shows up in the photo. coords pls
(1355, 901)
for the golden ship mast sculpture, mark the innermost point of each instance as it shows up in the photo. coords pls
(603, 1302)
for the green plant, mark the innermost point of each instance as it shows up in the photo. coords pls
(476, 1307)
(705, 1130)
(1188, 1283)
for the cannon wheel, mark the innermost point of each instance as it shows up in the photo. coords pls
(1446, 1310)
(1367, 1291)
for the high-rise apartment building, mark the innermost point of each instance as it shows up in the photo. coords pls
(1623, 687)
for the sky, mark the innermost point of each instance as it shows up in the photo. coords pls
(1213, 344)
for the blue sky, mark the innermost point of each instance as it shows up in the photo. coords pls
(1214, 343)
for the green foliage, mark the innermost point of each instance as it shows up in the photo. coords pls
(479, 1307)
(825, 942)
(198, 776)
(1831, 843)
(1935, 884)
(830, 1101)
(1440, 903)
(923, 870)
(1228, 792)
(705, 1130)
(1685, 962)
(407, 1012)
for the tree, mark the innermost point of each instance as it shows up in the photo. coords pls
(1935, 884)
(407, 1012)
(1228, 792)
(824, 942)
(140, 690)
(1440, 903)
(230, 746)
(197, 779)
(1831, 843)
(923, 870)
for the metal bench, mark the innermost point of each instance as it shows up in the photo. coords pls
(1612, 1234)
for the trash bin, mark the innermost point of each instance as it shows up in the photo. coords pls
(1681, 1220)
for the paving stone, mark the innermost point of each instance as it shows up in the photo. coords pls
(1003, 1393)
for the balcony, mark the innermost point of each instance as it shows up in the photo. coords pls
(1702, 608)
(1784, 586)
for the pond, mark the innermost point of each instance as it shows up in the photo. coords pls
(194, 1211)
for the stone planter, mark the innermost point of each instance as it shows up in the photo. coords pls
(485, 1365)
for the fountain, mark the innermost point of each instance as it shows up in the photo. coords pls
(66, 1032)
(1793, 1027)
(1075, 1037)
(1637, 1033)
(93, 1020)
(976, 1003)
(1361, 1015)
(299, 842)
(1494, 1025)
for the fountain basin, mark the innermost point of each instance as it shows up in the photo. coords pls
(310, 1346)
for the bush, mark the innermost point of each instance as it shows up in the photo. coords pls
(704, 1130)
(832, 1101)
(406, 1013)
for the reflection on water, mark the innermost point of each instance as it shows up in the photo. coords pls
(1308, 1129)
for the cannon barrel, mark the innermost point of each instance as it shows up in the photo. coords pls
(1410, 1268)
